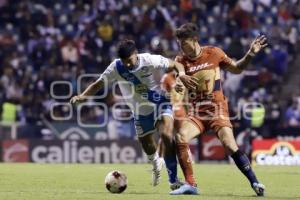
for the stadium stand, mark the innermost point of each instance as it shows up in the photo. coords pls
(46, 41)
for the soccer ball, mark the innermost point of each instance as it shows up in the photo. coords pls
(116, 182)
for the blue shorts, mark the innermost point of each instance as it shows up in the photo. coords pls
(145, 124)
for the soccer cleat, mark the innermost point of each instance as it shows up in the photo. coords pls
(176, 185)
(185, 189)
(157, 167)
(259, 189)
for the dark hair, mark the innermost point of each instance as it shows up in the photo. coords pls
(126, 48)
(187, 30)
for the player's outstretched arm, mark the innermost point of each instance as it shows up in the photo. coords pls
(256, 46)
(89, 91)
(188, 81)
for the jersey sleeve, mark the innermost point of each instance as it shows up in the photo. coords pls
(109, 75)
(224, 60)
(159, 61)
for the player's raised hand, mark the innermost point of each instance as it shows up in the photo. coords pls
(77, 99)
(189, 82)
(258, 44)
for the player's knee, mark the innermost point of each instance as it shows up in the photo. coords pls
(227, 139)
(166, 130)
(181, 138)
(229, 145)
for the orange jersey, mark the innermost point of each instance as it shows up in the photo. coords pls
(208, 105)
(207, 69)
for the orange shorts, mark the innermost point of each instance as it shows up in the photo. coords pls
(213, 115)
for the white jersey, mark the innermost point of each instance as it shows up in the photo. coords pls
(135, 84)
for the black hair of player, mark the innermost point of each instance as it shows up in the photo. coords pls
(188, 30)
(126, 48)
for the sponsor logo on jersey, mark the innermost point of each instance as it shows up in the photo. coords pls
(145, 71)
(128, 76)
(141, 88)
(199, 67)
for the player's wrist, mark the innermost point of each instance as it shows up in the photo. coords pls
(251, 53)
(82, 96)
(180, 74)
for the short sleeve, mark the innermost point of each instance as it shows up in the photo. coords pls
(159, 61)
(224, 60)
(109, 75)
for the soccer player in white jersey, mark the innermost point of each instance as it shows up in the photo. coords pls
(151, 108)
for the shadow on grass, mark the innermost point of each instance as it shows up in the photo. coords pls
(235, 196)
(143, 193)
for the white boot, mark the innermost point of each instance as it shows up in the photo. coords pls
(156, 171)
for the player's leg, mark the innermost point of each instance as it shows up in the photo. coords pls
(186, 132)
(150, 148)
(144, 126)
(226, 136)
(160, 148)
(165, 128)
(175, 183)
(148, 144)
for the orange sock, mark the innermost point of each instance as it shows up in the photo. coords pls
(185, 162)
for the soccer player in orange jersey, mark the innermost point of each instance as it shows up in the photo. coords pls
(208, 105)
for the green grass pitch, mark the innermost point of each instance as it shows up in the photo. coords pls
(83, 181)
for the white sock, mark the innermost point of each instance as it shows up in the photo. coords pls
(153, 157)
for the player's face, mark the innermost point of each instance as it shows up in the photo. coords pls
(131, 61)
(188, 46)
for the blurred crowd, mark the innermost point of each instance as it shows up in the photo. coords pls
(59, 40)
